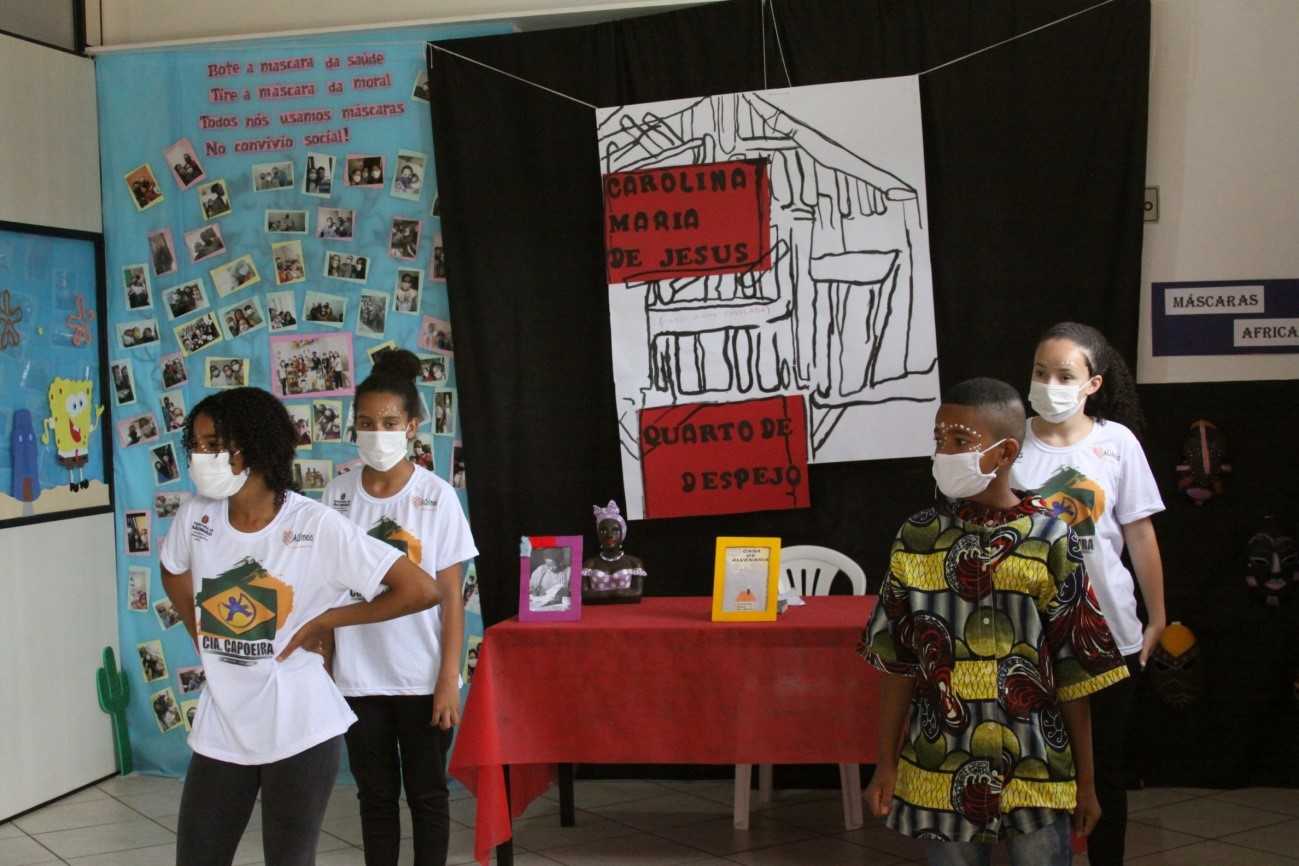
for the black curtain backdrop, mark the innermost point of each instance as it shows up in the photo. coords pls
(1035, 163)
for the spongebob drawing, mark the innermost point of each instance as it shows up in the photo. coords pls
(72, 421)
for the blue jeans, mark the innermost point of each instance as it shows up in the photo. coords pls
(1046, 847)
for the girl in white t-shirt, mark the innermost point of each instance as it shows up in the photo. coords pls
(1082, 457)
(259, 575)
(402, 678)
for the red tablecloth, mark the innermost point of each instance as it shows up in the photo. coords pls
(658, 682)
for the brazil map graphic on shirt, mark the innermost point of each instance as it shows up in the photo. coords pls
(240, 611)
(392, 532)
(1075, 499)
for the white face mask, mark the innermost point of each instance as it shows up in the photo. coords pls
(212, 476)
(381, 449)
(959, 476)
(1056, 403)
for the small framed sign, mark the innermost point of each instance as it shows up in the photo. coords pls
(745, 579)
(550, 578)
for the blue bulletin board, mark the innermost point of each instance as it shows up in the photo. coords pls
(54, 450)
(271, 219)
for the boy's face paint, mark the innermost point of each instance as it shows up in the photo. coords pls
(958, 429)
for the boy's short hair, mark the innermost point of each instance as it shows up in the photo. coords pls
(997, 402)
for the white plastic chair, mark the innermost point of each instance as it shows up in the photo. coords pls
(811, 570)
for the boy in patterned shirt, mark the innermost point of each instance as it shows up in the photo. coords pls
(990, 640)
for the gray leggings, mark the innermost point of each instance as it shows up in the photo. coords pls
(218, 800)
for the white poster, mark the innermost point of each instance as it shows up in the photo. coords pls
(839, 310)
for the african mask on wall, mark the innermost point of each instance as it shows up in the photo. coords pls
(1202, 463)
(1273, 567)
(1175, 670)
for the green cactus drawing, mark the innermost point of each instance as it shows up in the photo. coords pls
(114, 692)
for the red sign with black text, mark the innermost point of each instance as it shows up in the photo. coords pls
(724, 458)
(688, 220)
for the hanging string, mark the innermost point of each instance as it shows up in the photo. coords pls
(435, 46)
(1020, 36)
(775, 29)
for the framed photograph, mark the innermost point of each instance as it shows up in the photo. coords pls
(280, 311)
(458, 465)
(166, 710)
(188, 710)
(143, 186)
(301, 415)
(439, 259)
(191, 679)
(318, 175)
(335, 224)
(272, 175)
(165, 505)
(153, 664)
(173, 408)
(550, 578)
(162, 252)
(444, 412)
(324, 309)
(240, 318)
(471, 593)
(233, 276)
(136, 429)
(327, 420)
(193, 336)
(226, 372)
(165, 468)
(204, 242)
(185, 299)
(288, 262)
(745, 575)
(471, 657)
(433, 369)
(138, 289)
(137, 539)
(182, 159)
(137, 588)
(313, 475)
(137, 333)
(286, 222)
(408, 179)
(214, 199)
(403, 240)
(167, 614)
(346, 267)
(421, 452)
(312, 365)
(406, 291)
(435, 336)
(364, 170)
(420, 89)
(173, 370)
(372, 317)
(374, 353)
(123, 383)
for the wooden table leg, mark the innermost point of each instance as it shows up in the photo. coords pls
(566, 812)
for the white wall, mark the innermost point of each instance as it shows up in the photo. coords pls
(127, 22)
(49, 139)
(1224, 152)
(58, 596)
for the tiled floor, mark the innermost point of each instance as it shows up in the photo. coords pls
(132, 820)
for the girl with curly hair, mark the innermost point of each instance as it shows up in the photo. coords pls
(260, 576)
(1081, 454)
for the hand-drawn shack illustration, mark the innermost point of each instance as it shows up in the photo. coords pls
(840, 310)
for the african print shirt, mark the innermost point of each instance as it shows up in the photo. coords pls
(991, 611)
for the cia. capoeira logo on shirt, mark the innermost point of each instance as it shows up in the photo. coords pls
(240, 611)
(392, 532)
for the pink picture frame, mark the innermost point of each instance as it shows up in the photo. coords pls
(550, 578)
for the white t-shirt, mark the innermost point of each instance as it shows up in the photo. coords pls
(1097, 485)
(424, 520)
(253, 591)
